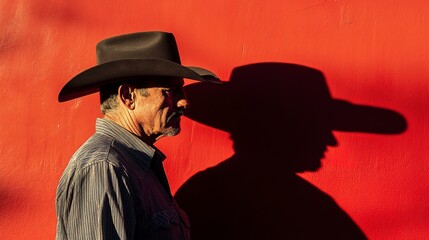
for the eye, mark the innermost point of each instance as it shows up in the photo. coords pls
(168, 92)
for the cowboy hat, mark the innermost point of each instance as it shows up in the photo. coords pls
(270, 96)
(132, 56)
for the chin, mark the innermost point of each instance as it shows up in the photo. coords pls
(312, 165)
(168, 133)
(171, 132)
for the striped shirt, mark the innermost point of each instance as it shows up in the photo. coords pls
(115, 187)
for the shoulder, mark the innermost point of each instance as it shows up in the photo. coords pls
(97, 155)
(97, 149)
(95, 160)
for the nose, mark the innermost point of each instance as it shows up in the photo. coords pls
(181, 100)
(332, 140)
(182, 103)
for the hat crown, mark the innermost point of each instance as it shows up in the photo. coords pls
(142, 45)
(133, 56)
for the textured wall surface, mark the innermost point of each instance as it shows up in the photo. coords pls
(369, 52)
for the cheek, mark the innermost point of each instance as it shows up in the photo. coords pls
(163, 109)
(163, 114)
(148, 113)
(160, 114)
(156, 110)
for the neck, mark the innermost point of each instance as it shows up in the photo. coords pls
(126, 121)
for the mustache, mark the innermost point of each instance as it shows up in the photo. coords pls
(175, 114)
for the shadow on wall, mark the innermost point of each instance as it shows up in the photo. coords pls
(11, 202)
(281, 117)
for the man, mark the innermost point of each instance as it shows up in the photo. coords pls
(114, 186)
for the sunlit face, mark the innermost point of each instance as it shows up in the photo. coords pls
(158, 111)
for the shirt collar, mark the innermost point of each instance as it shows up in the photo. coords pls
(117, 132)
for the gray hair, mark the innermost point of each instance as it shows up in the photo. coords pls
(109, 97)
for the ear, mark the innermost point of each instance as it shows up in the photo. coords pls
(126, 96)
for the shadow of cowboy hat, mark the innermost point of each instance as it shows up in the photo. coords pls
(262, 96)
(132, 56)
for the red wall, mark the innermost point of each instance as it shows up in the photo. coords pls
(370, 52)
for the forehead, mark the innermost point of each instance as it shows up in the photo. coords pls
(159, 82)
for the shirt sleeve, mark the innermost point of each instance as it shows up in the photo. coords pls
(100, 204)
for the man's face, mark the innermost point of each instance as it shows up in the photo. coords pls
(159, 109)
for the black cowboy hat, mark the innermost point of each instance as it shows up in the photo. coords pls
(263, 96)
(131, 56)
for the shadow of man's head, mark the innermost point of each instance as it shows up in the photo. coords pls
(279, 109)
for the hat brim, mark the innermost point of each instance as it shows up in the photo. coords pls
(349, 117)
(90, 80)
(226, 107)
